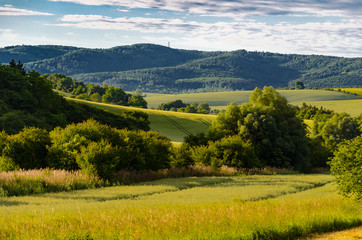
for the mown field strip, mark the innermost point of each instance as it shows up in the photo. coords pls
(250, 207)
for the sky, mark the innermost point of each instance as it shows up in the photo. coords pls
(321, 27)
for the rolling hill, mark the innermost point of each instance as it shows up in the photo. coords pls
(154, 68)
(177, 125)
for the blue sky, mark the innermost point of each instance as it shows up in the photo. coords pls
(326, 27)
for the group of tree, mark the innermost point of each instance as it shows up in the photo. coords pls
(179, 106)
(27, 99)
(96, 149)
(94, 92)
(267, 132)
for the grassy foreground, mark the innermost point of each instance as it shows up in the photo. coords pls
(250, 207)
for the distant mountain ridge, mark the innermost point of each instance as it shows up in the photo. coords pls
(156, 68)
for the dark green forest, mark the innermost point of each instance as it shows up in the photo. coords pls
(154, 68)
(27, 99)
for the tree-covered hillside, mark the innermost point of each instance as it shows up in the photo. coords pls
(27, 99)
(155, 68)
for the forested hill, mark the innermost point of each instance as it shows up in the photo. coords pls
(155, 68)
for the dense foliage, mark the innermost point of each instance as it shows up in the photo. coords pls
(27, 99)
(270, 124)
(95, 92)
(179, 106)
(346, 166)
(161, 69)
(94, 148)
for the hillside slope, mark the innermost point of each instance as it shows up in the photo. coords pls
(155, 68)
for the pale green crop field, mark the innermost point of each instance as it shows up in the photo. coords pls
(352, 107)
(244, 207)
(224, 98)
(174, 125)
(351, 90)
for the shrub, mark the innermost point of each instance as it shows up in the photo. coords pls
(68, 142)
(145, 150)
(182, 157)
(27, 149)
(230, 151)
(98, 159)
(346, 166)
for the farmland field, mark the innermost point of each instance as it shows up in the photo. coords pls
(245, 207)
(357, 91)
(352, 107)
(218, 99)
(174, 125)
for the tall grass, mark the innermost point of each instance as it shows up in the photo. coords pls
(25, 182)
(208, 209)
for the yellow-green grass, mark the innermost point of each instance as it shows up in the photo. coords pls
(251, 207)
(174, 125)
(220, 99)
(350, 90)
(352, 107)
(350, 234)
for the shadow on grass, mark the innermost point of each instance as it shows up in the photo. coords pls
(176, 184)
(7, 203)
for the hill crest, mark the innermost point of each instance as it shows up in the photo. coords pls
(155, 68)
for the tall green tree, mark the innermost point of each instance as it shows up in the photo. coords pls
(271, 125)
(346, 166)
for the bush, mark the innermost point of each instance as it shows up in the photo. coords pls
(230, 151)
(27, 149)
(98, 159)
(100, 150)
(145, 150)
(182, 157)
(68, 142)
(346, 166)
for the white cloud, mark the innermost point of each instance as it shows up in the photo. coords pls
(9, 10)
(342, 39)
(240, 8)
(157, 25)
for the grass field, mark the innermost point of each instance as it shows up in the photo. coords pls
(249, 207)
(173, 125)
(352, 107)
(351, 90)
(350, 234)
(220, 99)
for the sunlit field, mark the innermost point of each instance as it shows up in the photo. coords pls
(249, 207)
(350, 90)
(352, 107)
(174, 125)
(219, 99)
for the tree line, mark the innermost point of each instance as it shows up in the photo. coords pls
(94, 92)
(179, 106)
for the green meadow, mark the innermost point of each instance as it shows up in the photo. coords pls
(221, 99)
(240, 207)
(174, 125)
